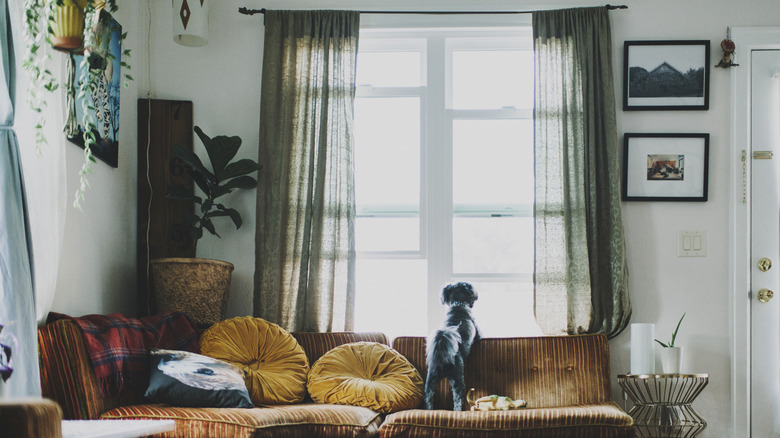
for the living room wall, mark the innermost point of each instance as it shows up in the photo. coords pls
(97, 270)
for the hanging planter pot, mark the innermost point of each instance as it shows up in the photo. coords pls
(67, 25)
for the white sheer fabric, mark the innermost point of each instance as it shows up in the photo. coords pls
(32, 211)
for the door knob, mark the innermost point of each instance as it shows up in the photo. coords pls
(765, 295)
(764, 264)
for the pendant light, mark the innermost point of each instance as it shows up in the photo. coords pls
(191, 22)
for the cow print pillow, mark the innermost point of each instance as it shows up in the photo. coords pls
(181, 378)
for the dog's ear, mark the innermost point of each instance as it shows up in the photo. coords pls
(446, 293)
(474, 294)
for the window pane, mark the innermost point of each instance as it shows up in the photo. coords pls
(492, 79)
(390, 297)
(389, 69)
(387, 151)
(505, 309)
(493, 162)
(493, 245)
(387, 234)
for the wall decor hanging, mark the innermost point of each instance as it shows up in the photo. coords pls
(56, 23)
(665, 167)
(666, 75)
(102, 97)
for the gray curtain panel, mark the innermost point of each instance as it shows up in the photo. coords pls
(305, 248)
(581, 276)
(17, 300)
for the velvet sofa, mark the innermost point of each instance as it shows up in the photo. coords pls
(564, 379)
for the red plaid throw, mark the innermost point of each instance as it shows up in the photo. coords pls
(118, 346)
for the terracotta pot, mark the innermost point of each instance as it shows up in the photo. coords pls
(67, 26)
(198, 287)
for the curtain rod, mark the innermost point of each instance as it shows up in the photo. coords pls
(247, 11)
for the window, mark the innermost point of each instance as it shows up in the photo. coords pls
(444, 177)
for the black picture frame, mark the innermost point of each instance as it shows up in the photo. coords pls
(665, 167)
(666, 75)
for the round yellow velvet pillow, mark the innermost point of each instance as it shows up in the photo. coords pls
(274, 362)
(366, 374)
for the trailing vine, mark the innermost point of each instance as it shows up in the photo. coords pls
(38, 28)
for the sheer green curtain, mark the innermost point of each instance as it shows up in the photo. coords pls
(305, 249)
(581, 278)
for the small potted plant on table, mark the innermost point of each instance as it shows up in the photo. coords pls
(671, 355)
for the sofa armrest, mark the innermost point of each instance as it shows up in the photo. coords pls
(67, 376)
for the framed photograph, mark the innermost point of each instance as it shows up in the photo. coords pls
(666, 75)
(665, 167)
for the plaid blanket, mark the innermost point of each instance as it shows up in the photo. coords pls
(118, 346)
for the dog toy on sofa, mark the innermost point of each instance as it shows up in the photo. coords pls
(494, 402)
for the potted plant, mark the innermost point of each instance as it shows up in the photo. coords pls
(671, 355)
(72, 27)
(196, 286)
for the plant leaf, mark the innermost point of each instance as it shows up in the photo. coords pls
(674, 335)
(662, 344)
(221, 149)
(190, 158)
(242, 182)
(209, 226)
(238, 168)
(203, 183)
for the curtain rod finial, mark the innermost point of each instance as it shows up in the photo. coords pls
(616, 7)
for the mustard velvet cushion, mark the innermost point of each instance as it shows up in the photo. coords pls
(274, 362)
(366, 374)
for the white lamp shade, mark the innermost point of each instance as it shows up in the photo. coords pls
(191, 22)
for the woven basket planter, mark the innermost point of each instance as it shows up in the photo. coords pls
(198, 287)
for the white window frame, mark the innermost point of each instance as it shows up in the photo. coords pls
(436, 44)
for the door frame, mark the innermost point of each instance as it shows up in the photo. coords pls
(746, 39)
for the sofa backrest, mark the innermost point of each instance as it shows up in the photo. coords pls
(67, 375)
(549, 371)
(317, 344)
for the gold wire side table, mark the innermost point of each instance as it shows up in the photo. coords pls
(662, 403)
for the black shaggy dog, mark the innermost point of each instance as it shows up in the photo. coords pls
(449, 346)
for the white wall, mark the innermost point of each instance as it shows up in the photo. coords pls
(223, 80)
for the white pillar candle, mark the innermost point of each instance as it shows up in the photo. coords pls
(642, 349)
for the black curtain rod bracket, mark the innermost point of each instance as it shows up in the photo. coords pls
(247, 11)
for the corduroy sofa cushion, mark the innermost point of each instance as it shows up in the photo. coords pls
(275, 364)
(301, 420)
(587, 421)
(366, 374)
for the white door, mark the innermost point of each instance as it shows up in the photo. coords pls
(764, 156)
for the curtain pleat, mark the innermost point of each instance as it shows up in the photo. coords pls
(305, 249)
(580, 275)
(17, 309)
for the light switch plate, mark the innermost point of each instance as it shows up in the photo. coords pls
(692, 244)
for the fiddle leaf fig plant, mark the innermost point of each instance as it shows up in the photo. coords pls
(670, 344)
(223, 177)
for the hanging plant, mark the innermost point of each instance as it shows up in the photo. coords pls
(56, 23)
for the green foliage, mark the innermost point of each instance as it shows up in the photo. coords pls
(37, 30)
(674, 335)
(223, 177)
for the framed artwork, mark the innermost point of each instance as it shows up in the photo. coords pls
(665, 167)
(666, 75)
(102, 100)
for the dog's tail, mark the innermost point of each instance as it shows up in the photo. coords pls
(443, 345)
